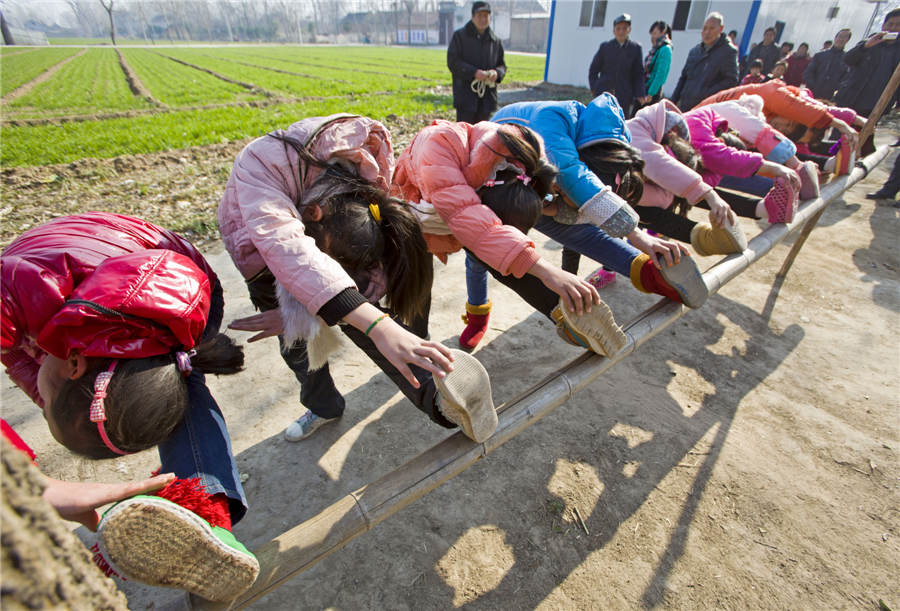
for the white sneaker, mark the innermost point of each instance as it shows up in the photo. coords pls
(306, 425)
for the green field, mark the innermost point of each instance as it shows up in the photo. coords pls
(202, 94)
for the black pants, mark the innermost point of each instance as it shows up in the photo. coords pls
(473, 116)
(529, 288)
(317, 391)
(892, 186)
(669, 223)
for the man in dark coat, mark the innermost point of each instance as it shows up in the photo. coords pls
(765, 51)
(872, 63)
(711, 66)
(618, 66)
(827, 68)
(475, 59)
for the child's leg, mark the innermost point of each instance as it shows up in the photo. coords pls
(614, 253)
(754, 185)
(200, 447)
(571, 259)
(743, 205)
(317, 390)
(666, 222)
(478, 306)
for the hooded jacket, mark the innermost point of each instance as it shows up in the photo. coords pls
(443, 166)
(669, 176)
(259, 216)
(779, 100)
(101, 285)
(706, 71)
(719, 159)
(566, 128)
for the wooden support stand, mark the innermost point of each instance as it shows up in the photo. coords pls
(296, 550)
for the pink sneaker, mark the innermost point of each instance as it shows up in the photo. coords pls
(781, 202)
(600, 278)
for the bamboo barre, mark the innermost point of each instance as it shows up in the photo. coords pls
(304, 545)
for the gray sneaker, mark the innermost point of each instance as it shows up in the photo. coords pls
(306, 425)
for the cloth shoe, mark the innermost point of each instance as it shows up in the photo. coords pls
(781, 202)
(158, 542)
(600, 278)
(465, 397)
(306, 425)
(595, 330)
(708, 240)
(681, 283)
(809, 180)
(476, 319)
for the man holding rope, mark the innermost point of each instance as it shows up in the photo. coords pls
(475, 59)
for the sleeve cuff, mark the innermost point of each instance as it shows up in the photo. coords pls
(340, 305)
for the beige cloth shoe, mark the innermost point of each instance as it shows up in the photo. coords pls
(465, 397)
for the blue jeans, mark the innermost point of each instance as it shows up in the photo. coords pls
(200, 446)
(754, 185)
(615, 254)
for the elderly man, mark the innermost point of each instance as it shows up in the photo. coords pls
(618, 66)
(766, 51)
(827, 68)
(475, 59)
(711, 66)
(872, 63)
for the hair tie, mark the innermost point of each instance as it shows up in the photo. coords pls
(376, 212)
(525, 178)
(618, 180)
(492, 183)
(183, 362)
(98, 410)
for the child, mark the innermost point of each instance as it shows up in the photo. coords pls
(450, 171)
(723, 152)
(755, 75)
(590, 146)
(307, 220)
(661, 134)
(777, 72)
(108, 324)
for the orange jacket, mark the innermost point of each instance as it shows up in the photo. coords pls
(780, 100)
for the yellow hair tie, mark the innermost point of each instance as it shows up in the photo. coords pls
(376, 212)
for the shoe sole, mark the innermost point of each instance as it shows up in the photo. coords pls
(466, 397)
(598, 327)
(782, 199)
(736, 236)
(687, 281)
(162, 544)
(809, 188)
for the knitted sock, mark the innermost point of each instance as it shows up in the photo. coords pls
(190, 494)
(645, 277)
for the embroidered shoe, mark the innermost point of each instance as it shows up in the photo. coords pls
(306, 425)
(781, 202)
(465, 397)
(160, 543)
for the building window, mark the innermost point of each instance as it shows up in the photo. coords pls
(593, 13)
(690, 15)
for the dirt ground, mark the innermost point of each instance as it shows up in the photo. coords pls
(747, 457)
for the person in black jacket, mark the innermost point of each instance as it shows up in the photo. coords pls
(618, 66)
(765, 51)
(872, 63)
(827, 68)
(475, 59)
(710, 67)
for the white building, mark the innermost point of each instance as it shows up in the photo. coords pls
(578, 27)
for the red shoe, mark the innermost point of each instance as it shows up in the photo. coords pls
(681, 283)
(781, 202)
(476, 319)
(845, 159)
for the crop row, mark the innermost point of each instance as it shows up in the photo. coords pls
(179, 85)
(183, 129)
(89, 83)
(19, 68)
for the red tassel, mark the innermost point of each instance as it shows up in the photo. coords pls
(190, 494)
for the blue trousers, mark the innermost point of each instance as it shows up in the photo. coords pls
(615, 254)
(200, 446)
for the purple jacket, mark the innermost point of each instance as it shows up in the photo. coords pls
(718, 158)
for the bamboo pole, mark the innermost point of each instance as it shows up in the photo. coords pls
(880, 105)
(296, 550)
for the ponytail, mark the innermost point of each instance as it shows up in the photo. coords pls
(145, 401)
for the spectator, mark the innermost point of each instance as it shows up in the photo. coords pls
(658, 61)
(827, 68)
(786, 48)
(732, 36)
(766, 51)
(475, 59)
(826, 45)
(797, 63)
(872, 62)
(755, 75)
(617, 66)
(889, 189)
(778, 71)
(711, 66)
